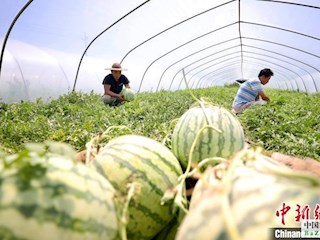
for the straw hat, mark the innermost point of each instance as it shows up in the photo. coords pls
(116, 67)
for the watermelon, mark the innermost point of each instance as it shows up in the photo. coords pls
(211, 142)
(128, 94)
(49, 196)
(169, 232)
(148, 164)
(244, 203)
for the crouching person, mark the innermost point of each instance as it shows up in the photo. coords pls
(251, 93)
(113, 84)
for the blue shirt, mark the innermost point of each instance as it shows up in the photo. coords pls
(247, 92)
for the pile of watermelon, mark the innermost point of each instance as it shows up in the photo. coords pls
(44, 194)
(248, 197)
(133, 187)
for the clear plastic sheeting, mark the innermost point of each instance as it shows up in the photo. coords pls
(31, 73)
(55, 47)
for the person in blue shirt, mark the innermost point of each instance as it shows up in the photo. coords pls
(113, 84)
(251, 93)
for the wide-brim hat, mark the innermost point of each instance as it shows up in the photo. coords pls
(116, 67)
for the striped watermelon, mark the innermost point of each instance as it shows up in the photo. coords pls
(50, 197)
(169, 232)
(244, 203)
(128, 94)
(147, 163)
(211, 143)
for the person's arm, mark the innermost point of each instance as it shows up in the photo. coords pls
(107, 91)
(263, 96)
(126, 81)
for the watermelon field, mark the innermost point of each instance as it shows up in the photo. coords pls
(164, 166)
(290, 124)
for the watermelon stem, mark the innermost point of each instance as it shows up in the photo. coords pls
(133, 188)
(165, 139)
(202, 105)
(181, 194)
(94, 145)
(226, 188)
(213, 160)
(276, 168)
(180, 199)
(201, 102)
(187, 86)
(228, 219)
(263, 163)
(188, 169)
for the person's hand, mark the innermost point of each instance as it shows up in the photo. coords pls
(120, 97)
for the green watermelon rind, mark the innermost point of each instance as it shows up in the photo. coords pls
(128, 94)
(66, 201)
(211, 143)
(152, 166)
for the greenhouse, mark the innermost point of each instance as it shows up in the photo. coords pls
(53, 48)
(164, 154)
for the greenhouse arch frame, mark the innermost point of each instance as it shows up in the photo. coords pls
(215, 43)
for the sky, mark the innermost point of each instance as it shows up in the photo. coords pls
(64, 28)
